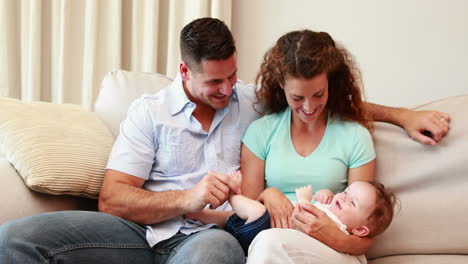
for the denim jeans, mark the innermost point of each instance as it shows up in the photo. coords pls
(92, 237)
(245, 233)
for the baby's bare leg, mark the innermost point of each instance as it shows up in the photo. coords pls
(246, 208)
(304, 194)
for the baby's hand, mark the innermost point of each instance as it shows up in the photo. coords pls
(304, 194)
(323, 196)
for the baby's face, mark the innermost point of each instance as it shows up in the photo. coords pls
(355, 204)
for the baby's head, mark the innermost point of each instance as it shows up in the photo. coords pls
(366, 208)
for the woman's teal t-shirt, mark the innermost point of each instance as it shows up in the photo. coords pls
(344, 145)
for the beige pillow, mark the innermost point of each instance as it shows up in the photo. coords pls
(56, 148)
(119, 89)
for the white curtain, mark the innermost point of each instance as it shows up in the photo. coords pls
(59, 50)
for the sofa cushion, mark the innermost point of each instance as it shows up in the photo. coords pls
(430, 181)
(421, 259)
(119, 88)
(56, 148)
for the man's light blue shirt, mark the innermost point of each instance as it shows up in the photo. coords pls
(162, 142)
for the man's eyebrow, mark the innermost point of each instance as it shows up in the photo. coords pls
(213, 80)
(218, 80)
(234, 73)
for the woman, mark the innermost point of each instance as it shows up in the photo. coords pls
(315, 131)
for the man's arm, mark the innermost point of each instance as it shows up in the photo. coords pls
(427, 127)
(121, 195)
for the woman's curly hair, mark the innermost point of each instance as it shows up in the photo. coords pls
(305, 54)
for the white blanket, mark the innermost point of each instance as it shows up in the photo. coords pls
(290, 246)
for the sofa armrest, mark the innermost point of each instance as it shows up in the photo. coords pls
(19, 201)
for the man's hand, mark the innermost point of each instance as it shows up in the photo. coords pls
(213, 189)
(427, 127)
(279, 207)
(323, 196)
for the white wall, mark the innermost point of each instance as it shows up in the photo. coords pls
(409, 51)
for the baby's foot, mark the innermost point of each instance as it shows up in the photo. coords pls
(304, 194)
(236, 178)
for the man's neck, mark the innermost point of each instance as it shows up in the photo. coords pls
(205, 115)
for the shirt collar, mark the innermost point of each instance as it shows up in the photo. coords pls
(178, 100)
(176, 97)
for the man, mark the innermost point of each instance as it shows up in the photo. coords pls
(171, 158)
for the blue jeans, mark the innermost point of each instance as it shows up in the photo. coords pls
(245, 233)
(92, 237)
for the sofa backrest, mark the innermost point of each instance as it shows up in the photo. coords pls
(432, 184)
(118, 90)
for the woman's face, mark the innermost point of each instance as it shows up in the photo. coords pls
(307, 97)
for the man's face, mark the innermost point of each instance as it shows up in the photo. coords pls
(355, 204)
(211, 84)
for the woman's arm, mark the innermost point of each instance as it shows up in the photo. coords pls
(253, 184)
(365, 172)
(253, 174)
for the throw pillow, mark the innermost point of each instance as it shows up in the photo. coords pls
(118, 90)
(56, 148)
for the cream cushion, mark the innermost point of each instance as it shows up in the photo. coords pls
(431, 183)
(118, 90)
(56, 148)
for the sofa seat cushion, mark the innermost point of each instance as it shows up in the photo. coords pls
(421, 259)
(56, 148)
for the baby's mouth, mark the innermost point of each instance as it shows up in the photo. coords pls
(338, 205)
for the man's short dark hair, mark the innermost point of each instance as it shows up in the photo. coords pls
(205, 39)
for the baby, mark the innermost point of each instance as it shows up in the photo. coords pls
(363, 209)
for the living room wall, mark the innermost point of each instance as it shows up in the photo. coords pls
(410, 52)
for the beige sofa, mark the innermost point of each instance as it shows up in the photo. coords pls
(430, 181)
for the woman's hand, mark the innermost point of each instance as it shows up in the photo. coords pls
(323, 196)
(308, 219)
(315, 223)
(279, 207)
